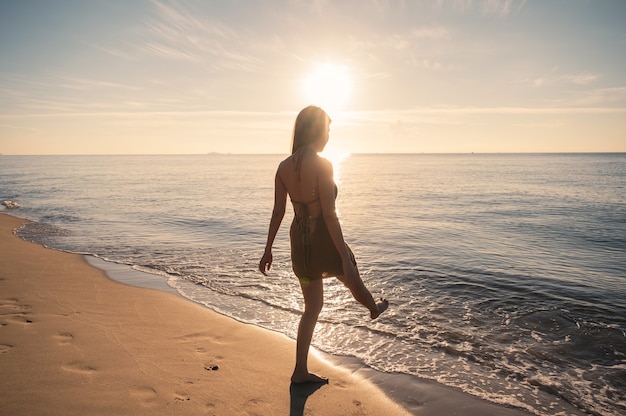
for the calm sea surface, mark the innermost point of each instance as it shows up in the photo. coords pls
(506, 273)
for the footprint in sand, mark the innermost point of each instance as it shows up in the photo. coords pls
(18, 319)
(204, 351)
(12, 305)
(256, 406)
(12, 311)
(63, 338)
(8, 302)
(181, 396)
(79, 367)
(209, 366)
(340, 384)
(146, 395)
(203, 337)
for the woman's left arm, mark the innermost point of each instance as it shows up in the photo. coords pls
(280, 203)
(326, 186)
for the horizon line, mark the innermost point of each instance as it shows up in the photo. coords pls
(286, 153)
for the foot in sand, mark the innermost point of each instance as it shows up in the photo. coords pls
(382, 307)
(308, 378)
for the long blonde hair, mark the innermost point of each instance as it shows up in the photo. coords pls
(309, 126)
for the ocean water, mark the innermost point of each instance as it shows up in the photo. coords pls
(506, 273)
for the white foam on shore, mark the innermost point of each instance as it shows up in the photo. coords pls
(126, 274)
(426, 397)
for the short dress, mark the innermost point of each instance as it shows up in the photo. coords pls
(313, 253)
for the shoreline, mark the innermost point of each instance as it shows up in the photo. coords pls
(395, 393)
(416, 395)
(75, 342)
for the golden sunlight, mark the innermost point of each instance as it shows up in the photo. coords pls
(328, 86)
(336, 157)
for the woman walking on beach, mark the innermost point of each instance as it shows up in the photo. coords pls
(318, 249)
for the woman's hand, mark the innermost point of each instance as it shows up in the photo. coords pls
(350, 273)
(266, 262)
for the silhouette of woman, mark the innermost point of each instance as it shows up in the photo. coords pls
(318, 249)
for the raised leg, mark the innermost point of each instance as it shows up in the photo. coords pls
(362, 295)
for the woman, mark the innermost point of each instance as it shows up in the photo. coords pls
(317, 246)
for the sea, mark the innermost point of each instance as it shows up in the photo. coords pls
(505, 273)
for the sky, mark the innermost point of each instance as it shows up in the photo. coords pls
(195, 77)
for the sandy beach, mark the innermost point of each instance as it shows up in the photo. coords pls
(73, 342)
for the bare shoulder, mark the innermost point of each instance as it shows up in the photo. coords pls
(324, 165)
(283, 165)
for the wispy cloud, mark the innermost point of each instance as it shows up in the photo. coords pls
(113, 51)
(60, 94)
(430, 33)
(349, 117)
(583, 78)
(459, 5)
(175, 33)
(19, 128)
(392, 116)
(600, 96)
(501, 7)
(234, 115)
(580, 78)
(384, 5)
(91, 84)
(432, 64)
(410, 38)
(487, 7)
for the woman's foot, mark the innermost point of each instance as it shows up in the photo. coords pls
(382, 307)
(308, 378)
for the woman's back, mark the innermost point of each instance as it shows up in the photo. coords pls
(300, 173)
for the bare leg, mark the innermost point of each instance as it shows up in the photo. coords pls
(313, 292)
(365, 298)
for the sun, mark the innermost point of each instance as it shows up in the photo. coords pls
(329, 86)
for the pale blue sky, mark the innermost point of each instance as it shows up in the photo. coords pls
(113, 76)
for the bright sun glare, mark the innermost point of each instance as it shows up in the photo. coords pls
(328, 86)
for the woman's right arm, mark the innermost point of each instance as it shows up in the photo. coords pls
(280, 203)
